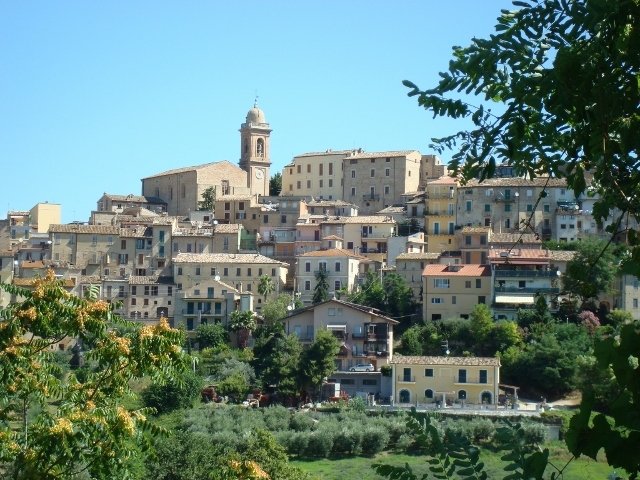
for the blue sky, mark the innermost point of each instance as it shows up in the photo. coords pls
(95, 96)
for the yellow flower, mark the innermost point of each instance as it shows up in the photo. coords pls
(62, 426)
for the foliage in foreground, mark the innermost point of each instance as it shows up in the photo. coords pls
(55, 426)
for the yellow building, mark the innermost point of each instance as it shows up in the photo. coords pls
(473, 380)
(440, 214)
(452, 291)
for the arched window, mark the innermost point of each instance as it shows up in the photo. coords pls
(405, 396)
(260, 148)
(486, 397)
(462, 395)
(428, 393)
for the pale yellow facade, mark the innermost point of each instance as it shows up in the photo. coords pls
(44, 214)
(452, 291)
(420, 380)
(440, 214)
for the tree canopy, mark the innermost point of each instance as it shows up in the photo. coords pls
(590, 282)
(55, 425)
(208, 201)
(275, 184)
(554, 92)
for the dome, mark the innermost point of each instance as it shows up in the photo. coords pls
(255, 115)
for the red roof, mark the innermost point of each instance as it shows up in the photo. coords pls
(471, 270)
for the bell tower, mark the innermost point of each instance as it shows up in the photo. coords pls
(254, 151)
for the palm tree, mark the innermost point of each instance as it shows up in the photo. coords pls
(243, 323)
(266, 286)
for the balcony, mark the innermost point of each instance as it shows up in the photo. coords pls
(503, 199)
(470, 381)
(371, 197)
(526, 273)
(406, 379)
(547, 290)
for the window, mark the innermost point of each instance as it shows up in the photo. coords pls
(387, 190)
(370, 382)
(483, 240)
(373, 172)
(387, 172)
(197, 270)
(225, 272)
(440, 283)
(467, 239)
(338, 266)
(462, 395)
(487, 207)
(353, 191)
(467, 284)
(428, 372)
(308, 168)
(307, 285)
(238, 272)
(121, 291)
(330, 182)
(482, 299)
(635, 303)
(428, 393)
(454, 300)
(248, 272)
(273, 272)
(298, 168)
(307, 266)
(462, 375)
(529, 193)
(468, 205)
(321, 183)
(482, 377)
(478, 283)
(546, 208)
(436, 300)
(337, 285)
(353, 174)
(529, 207)
(123, 244)
(507, 207)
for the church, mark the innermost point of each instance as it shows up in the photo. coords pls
(182, 188)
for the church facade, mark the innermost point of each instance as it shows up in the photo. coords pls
(182, 188)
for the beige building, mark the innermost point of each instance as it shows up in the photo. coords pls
(431, 167)
(474, 244)
(316, 174)
(377, 180)
(342, 267)
(410, 267)
(365, 335)
(452, 291)
(503, 203)
(44, 214)
(419, 380)
(255, 156)
(366, 234)
(119, 203)
(440, 214)
(240, 270)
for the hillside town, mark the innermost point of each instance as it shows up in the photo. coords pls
(199, 243)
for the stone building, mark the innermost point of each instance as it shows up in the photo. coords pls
(317, 174)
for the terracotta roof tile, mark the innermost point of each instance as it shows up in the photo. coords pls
(418, 256)
(360, 219)
(192, 168)
(467, 270)
(89, 229)
(225, 258)
(463, 361)
(333, 252)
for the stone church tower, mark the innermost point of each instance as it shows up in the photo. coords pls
(254, 156)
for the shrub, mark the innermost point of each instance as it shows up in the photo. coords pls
(357, 404)
(276, 418)
(458, 429)
(534, 433)
(482, 429)
(320, 443)
(404, 443)
(374, 440)
(297, 443)
(301, 422)
(347, 441)
(173, 395)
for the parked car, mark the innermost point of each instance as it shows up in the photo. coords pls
(363, 367)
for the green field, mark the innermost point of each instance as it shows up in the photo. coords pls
(358, 468)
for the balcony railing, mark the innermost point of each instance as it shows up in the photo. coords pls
(526, 273)
(406, 379)
(527, 290)
(371, 196)
(468, 380)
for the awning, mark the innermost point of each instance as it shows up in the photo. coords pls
(528, 299)
(337, 327)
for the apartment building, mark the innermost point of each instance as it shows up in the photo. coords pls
(365, 335)
(410, 267)
(376, 180)
(240, 270)
(519, 275)
(440, 214)
(367, 235)
(218, 238)
(504, 203)
(342, 268)
(210, 301)
(315, 174)
(474, 244)
(120, 203)
(431, 167)
(445, 380)
(452, 291)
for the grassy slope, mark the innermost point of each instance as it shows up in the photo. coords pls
(352, 468)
